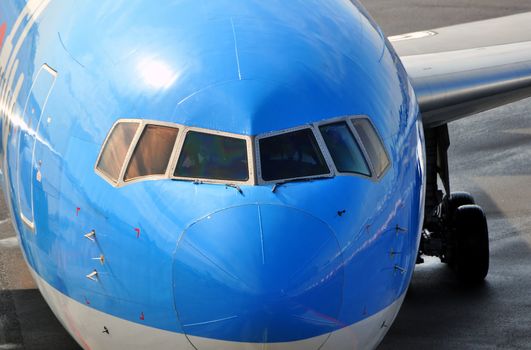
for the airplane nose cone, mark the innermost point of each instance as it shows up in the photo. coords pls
(258, 274)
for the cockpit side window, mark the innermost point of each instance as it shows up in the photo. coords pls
(153, 152)
(291, 155)
(373, 145)
(116, 148)
(213, 157)
(344, 149)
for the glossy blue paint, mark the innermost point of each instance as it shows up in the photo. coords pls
(259, 267)
(202, 259)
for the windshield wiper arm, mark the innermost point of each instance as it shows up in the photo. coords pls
(200, 182)
(238, 188)
(280, 183)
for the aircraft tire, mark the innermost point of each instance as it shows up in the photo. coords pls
(457, 199)
(471, 249)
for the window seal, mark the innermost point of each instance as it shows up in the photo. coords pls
(180, 143)
(320, 143)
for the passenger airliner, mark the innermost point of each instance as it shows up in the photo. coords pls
(240, 174)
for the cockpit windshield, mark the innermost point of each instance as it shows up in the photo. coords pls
(210, 156)
(291, 155)
(152, 152)
(114, 153)
(137, 150)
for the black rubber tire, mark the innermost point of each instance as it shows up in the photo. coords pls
(471, 244)
(457, 199)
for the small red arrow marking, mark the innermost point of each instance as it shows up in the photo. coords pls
(137, 232)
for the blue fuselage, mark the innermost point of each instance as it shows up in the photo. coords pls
(202, 259)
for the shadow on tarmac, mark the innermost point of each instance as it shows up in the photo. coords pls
(26, 322)
(440, 313)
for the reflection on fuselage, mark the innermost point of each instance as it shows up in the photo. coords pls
(162, 263)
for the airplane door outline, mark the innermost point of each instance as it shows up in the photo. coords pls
(29, 128)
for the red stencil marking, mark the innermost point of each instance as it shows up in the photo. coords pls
(142, 316)
(3, 28)
(137, 232)
(77, 211)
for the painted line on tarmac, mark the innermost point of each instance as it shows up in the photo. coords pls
(10, 242)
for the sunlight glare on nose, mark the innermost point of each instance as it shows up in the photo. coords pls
(156, 73)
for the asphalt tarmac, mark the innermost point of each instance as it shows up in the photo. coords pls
(490, 157)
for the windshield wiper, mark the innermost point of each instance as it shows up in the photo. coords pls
(238, 188)
(200, 182)
(283, 182)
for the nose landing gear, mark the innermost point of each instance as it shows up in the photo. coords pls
(459, 237)
(470, 244)
(455, 228)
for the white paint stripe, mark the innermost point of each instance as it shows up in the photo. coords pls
(8, 55)
(410, 36)
(10, 346)
(86, 324)
(8, 42)
(18, 87)
(10, 242)
(210, 322)
(4, 221)
(261, 233)
(522, 131)
(33, 9)
(36, 9)
(236, 49)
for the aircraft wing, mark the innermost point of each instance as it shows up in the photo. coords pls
(465, 69)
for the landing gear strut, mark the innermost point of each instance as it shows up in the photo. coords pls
(455, 228)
